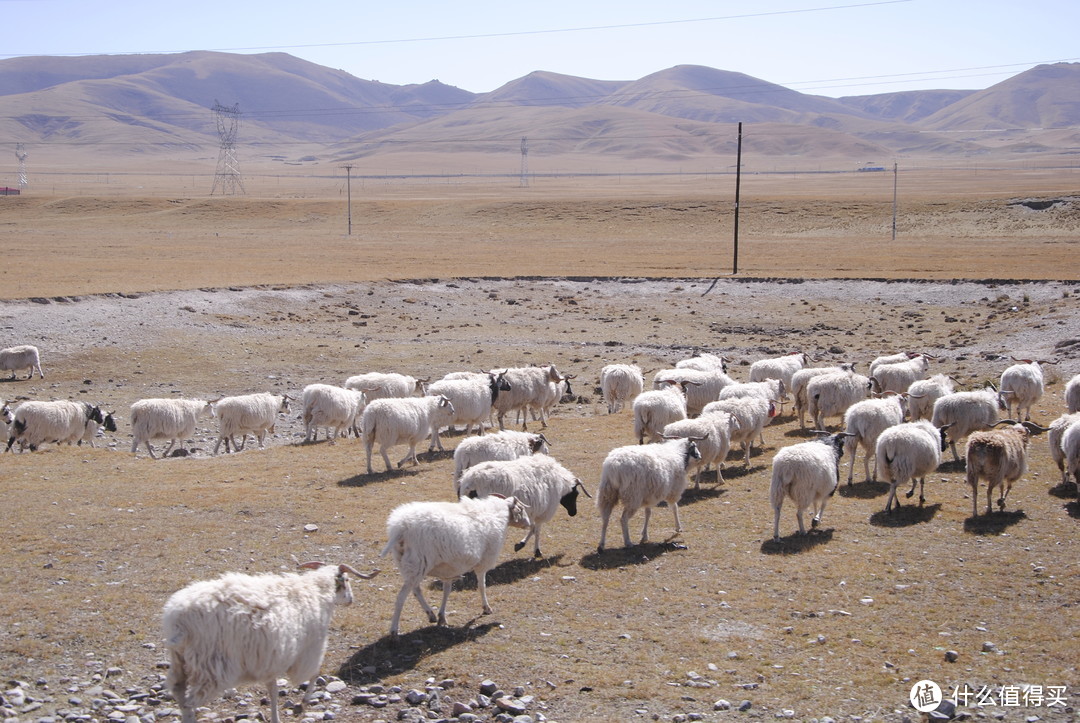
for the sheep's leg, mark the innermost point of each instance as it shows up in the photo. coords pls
(411, 455)
(218, 444)
(625, 520)
(419, 595)
(1001, 500)
(481, 582)
(447, 585)
(820, 511)
(150, 450)
(776, 521)
(746, 456)
(368, 444)
(892, 497)
(272, 693)
(519, 545)
(406, 588)
(675, 511)
(799, 517)
(866, 465)
(386, 458)
(852, 447)
(436, 442)
(172, 443)
(645, 527)
(952, 445)
(605, 515)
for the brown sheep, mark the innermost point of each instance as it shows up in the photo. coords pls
(1000, 457)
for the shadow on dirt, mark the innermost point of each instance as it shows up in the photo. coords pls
(639, 554)
(506, 573)
(700, 494)
(363, 479)
(1066, 491)
(993, 524)
(386, 657)
(797, 543)
(904, 516)
(863, 490)
(952, 467)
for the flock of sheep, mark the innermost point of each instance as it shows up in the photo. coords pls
(244, 628)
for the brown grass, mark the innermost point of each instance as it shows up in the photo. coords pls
(97, 540)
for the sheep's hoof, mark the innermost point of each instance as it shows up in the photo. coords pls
(922, 500)
(537, 554)
(1001, 505)
(441, 621)
(518, 546)
(488, 610)
(599, 549)
(909, 495)
(431, 618)
(814, 523)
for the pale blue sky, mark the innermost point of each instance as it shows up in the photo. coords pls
(826, 48)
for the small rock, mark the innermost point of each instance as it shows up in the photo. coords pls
(487, 687)
(311, 527)
(745, 705)
(988, 647)
(722, 705)
(336, 686)
(952, 656)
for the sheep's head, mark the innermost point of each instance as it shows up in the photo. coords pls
(519, 513)
(109, 423)
(539, 443)
(569, 500)
(944, 438)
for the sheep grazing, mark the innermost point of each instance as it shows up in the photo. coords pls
(406, 420)
(865, 421)
(505, 445)
(473, 397)
(751, 414)
(702, 387)
(24, 356)
(171, 419)
(254, 414)
(1000, 457)
(808, 473)
(657, 408)
(644, 476)
(712, 432)
(766, 389)
(830, 395)
(895, 359)
(1022, 386)
(446, 540)
(34, 423)
(966, 412)
(909, 451)
(335, 408)
(1072, 395)
(530, 388)
(1070, 448)
(801, 378)
(379, 385)
(620, 383)
(898, 376)
(704, 362)
(243, 629)
(923, 393)
(541, 483)
(1055, 438)
(782, 368)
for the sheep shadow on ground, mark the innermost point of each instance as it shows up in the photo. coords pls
(1063, 490)
(797, 543)
(363, 479)
(1073, 509)
(994, 523)
(863, 490)
(700, 494)
(505, 573)
(904, 515)
(386, 657)
(952, 466)
(638, 554)
(738, 471)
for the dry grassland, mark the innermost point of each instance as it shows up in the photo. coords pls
(840, 623)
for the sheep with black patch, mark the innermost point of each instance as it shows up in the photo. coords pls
(640, 476)
(701, 387)
(35, 423)
(712, 432)
(406, 420)
(620, 383)
(1022, 385)
(909, 451)
(242, 629)
(24, 356)
(540, 482)
(530, 388)
(807, 473)
(473, 397)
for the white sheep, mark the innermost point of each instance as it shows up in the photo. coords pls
(405, 420)
(171, 419)
(1070, 447)
(898, 376)
(473, 397)
(1022, 385)
(336, 408)
(1072, 395)
(6, 418)
(35, 423)
(505, 445)
(94, 428)
(243, 629)
(703, 362)
(380, 385)
(830, 395)
(924, 392)
(1057, 448)
(1000, 457)
(895, 359)
(702, 387)
(752, 415)
(967, 412)
(807, 473)
(620, 383)
(254, 414)
(24, 356)
(644, 476)
(909, 451)
(801, 378)
(554, 393)
(657, 408)
(541, 483)
(445, 540)
(782, 367)
(712, 432)
(766, 389)
(865, 421)
(530, 387)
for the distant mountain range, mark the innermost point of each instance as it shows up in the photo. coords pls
(146, 104)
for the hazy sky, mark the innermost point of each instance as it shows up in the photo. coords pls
(825, 48)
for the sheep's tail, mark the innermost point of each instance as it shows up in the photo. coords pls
(394, 541)
(607, 495)
(776, 489)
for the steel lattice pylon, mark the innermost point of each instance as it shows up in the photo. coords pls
(227, 178)
(20, 155)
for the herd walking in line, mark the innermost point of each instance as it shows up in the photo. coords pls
(897, 415)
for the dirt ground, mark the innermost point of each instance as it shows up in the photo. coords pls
(146, 297)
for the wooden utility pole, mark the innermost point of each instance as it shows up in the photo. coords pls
(738, 179)
(348, 191)
(894, 174)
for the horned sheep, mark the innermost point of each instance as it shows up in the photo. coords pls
(1056, 437)
(171, 419)
(530, 388)
(909, 451)
(865, 421)
(808, 473)
(1072, 395)
(336, 408)
(380, 385)
(619, 383)
(1022, 385)
(505, 445)
(407, 420)
(966, 412)
(445, 540)
(898, 376)
(657, 408)
(712, 432)
(644, 476)
(924, 392)
(1000, 457)
(830, 395)
(751, 415)
(702, 387)
(893, 359)
(473, 397)
(540, 482)
(35, 423)
(782, 368)
(241, 629)
(801, 378)
(254, 414)
(19, 357)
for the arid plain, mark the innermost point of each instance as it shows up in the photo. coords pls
(146, 287)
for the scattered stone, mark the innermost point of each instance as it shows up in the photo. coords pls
(988, 647)
(722, 705)
(745, 705)
(488, 687)
(952, 656)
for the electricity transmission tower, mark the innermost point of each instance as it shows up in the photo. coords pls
(227, 177)
(20, 154)
(524, 162)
